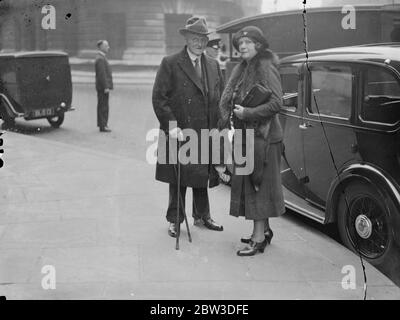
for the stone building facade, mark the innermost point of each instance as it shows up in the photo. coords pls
(140, 31)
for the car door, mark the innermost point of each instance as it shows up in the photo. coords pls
(328, 134)
(290, 117)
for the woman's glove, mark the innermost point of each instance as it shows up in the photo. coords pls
(239, 111)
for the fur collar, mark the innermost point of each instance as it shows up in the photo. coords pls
(257, 70)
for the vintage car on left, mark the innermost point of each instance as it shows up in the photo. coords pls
(35, 85)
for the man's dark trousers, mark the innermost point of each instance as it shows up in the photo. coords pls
(200, 206)
(102, 109)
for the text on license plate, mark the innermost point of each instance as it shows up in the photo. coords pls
(43, 112)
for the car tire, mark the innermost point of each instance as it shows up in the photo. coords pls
(365, 222)
(56, 121)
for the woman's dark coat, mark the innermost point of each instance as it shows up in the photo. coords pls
(179, 95)
(268, 200)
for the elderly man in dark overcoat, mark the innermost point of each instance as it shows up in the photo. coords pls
(186, 94)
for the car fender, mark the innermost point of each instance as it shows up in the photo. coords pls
(369, 174)
(8, 107)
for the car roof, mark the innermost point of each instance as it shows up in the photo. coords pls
(377, 52)
(26, 54)
(235, 25)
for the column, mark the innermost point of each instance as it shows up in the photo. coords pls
(145, 36)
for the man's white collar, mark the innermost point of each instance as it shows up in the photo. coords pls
(192, 56)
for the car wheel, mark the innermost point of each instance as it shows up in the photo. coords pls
(56, 121)
(364, 222)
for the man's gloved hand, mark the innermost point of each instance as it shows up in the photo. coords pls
(176, 133)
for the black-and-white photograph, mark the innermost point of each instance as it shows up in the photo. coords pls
(201, 150)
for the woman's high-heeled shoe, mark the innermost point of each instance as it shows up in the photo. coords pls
(253, 248)
(268, 235)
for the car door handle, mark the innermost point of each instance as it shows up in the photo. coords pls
(305, 125)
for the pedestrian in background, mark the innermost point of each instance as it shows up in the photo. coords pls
(256, 202)
(186, 91)
(104, 83)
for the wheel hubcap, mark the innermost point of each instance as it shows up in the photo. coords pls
(368, 226)
(363, 226)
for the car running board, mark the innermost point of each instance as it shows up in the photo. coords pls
(298, 204)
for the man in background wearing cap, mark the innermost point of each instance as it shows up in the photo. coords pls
(186, 93)
(214, 50)
(104, 83)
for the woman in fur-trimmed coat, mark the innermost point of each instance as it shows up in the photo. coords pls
(263, 201)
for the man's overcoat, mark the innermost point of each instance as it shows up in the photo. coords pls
(104, 78)
(180, 95)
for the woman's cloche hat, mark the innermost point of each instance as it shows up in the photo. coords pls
(252, 32)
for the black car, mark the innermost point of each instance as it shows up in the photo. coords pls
(35, 85)
(341, 123)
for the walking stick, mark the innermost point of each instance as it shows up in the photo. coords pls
(180, 202)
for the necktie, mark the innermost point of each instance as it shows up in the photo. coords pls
(197, 67)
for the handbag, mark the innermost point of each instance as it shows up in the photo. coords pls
(257, 95)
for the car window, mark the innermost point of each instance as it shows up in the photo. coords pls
(331, 91)
(381, 99)
(290, 84)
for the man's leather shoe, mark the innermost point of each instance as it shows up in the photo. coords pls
(172, 230)
(105, 129)
(212, 225)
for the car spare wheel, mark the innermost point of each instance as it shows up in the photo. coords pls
(364, 222)
(56, 121)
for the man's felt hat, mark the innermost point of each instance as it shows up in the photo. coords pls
(196, 25)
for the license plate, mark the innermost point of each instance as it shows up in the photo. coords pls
(43, 112)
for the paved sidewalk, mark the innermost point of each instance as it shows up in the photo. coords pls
(99, 220)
